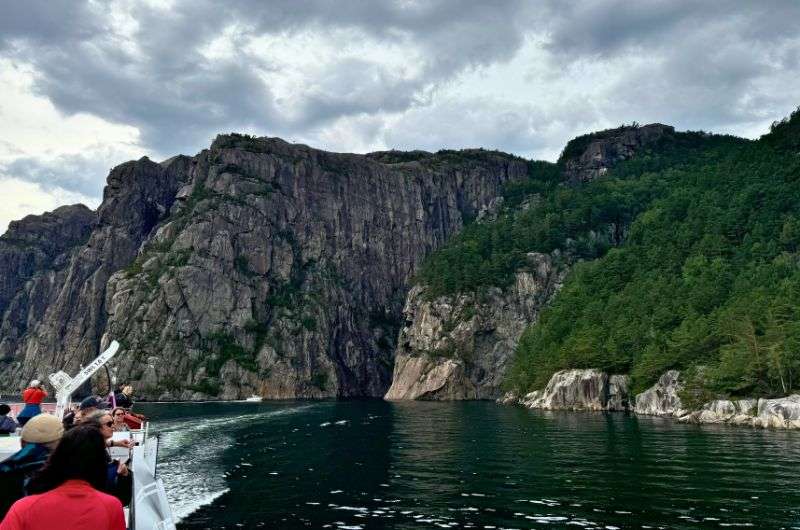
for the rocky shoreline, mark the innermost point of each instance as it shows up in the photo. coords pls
(593, 390)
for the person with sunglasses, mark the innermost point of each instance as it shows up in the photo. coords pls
(120, 478)
(119, 420)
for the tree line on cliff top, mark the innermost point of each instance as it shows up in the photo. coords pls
(686, 256)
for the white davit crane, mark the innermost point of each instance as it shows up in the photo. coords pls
(66, 385)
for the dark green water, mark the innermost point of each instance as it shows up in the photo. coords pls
(370, 464)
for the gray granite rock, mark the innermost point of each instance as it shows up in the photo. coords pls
(662, 399)
(255, 267)
(780, 413)
(581, 390)
(605, 149)
(478, 333)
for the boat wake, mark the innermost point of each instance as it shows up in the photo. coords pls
(190, 457)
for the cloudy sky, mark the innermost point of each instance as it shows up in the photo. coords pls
(85, 86)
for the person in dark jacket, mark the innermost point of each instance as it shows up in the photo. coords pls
(39, 437)
(119, 481)
(7, 425)
(124, 397)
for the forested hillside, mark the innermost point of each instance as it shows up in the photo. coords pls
(685, 256)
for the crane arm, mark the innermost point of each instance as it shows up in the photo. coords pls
(66, 385)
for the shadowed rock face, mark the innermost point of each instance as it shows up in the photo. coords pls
(55, 318)
(608, 148)
(459, 347)
(255, 267)
(35, 243)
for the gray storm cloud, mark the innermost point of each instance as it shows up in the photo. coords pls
(720, 66)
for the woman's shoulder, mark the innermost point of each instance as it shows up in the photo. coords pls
(105, 498)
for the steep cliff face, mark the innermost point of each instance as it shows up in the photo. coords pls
(34, 255)
(56, 317)
(458, 347)
(256, 266)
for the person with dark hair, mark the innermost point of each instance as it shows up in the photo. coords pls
(32, 396)
(7, 425)
(119, 480)
(119, 420)
(65, 493)
(39, 438)
(124, 396)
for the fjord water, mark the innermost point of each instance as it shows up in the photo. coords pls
(371, 464)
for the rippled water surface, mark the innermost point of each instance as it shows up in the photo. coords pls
(370, 464)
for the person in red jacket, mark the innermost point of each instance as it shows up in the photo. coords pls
(66, 492)
(32, 396)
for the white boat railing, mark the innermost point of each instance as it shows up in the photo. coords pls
(149, 506)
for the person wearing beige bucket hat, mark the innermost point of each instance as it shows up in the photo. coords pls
(39, 438)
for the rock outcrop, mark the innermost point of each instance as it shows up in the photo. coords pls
(593, 390)
(56, 318)
(738, 412)
(662, 399)
(34, 244)
(780, 413)
(581, 390)
(254, 267)
(423, 378)
(460, 347)
(591, 156)
(479, 334)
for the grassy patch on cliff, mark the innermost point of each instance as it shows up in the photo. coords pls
(223, 347)
(707, 276)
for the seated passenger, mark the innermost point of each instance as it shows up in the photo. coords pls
(39, 437)
(119, 420)
(87, 407)
(7, 425)
(32, 396)
(65, 493)
(119, 481)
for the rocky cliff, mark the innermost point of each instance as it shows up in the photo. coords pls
(581, 390)
(254, 267)
(459, 346)
(591, 156)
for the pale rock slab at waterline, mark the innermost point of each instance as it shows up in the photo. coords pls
(662, 399)
(598, 391)
(423, 378)
(581, 390)
(780, 413)
(737, 412)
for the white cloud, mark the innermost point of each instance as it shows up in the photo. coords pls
(21, 198)
(30, 124)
